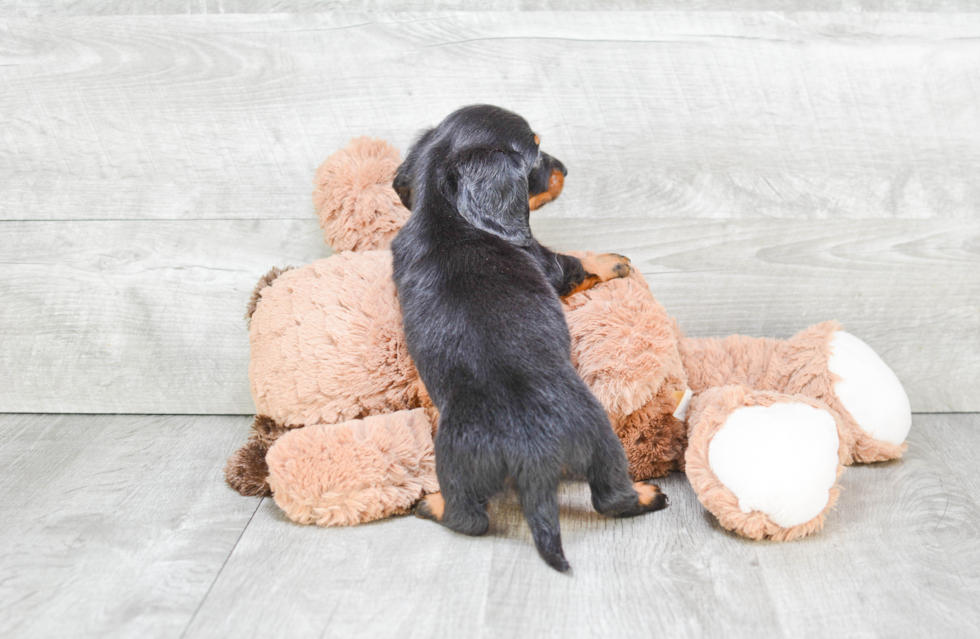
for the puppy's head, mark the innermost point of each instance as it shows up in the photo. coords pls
(488, 163)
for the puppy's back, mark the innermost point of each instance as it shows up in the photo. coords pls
(489, 338)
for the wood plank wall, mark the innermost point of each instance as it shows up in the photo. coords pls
(767, 169)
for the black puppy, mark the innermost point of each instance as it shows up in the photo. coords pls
(484, 325)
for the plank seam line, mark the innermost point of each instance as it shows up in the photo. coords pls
(185, 219)
(220, 570)
(679, 39)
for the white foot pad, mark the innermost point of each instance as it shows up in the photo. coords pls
(869, 390)
(780, 460)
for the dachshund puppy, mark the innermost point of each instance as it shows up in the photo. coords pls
(484, 326)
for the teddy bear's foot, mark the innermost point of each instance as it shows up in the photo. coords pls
(356, 471)
(765, 464)
(872, 394)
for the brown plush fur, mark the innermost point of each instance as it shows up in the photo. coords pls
(264, 281)
(624, 345)
(654, 440)
(794, 366)
(327, 344)
(353, 198)
(328, 352)
(246, 469)
(358, 471)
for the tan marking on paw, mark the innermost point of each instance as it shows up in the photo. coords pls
(648, 492)
(431, 507)
(585, 285)
(555, 184)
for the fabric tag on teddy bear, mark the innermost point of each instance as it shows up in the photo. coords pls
(682, 405)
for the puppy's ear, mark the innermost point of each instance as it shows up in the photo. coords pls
(403, 185)
(404, 182)
(491, 193)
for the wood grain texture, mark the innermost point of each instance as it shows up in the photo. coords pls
(928, 498)
(136, 317)
(113, 526)
(770, 170)
(880, 278)
(899, 557)
(191, 7)
(147, 317)
(657, 114)
(121, 526)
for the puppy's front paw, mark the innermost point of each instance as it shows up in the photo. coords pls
(431, 507)
(620, 265)
(607, 266)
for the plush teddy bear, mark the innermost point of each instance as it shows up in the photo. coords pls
(344, 432)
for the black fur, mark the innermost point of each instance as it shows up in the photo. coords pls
(538, 176)
(484, 325)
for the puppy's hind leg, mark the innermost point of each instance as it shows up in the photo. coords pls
(613, 494)
(466, 488)
(464, 515)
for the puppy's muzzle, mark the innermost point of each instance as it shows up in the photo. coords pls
(545, 181)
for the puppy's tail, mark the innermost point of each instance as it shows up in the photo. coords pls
(539, 500)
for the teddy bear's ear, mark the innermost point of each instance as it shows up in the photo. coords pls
(354, 199)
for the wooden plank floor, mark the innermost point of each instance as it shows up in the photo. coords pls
(121, 526)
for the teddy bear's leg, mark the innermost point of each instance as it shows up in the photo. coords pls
(822, 362)
(873, 399)
(356, 471)
(840, 370)
(764, 463)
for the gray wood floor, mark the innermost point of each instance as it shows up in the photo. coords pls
(107, 531)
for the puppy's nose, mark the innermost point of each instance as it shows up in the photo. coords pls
(556, 164)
